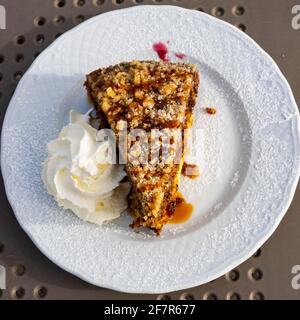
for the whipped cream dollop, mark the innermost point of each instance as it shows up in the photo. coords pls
(80, 174)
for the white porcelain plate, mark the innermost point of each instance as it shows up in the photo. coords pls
(248, 152)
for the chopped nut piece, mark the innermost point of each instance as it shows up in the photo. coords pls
(105, 104)
(190, 170)
(148, 102)
(211, 110)
(168, 88)
(120, 79)
(116, 99)
(110, 92)
(139, 94)
(137, 78)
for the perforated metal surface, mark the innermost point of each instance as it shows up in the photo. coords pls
(31, 26)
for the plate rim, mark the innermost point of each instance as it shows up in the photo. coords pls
(237, 260)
